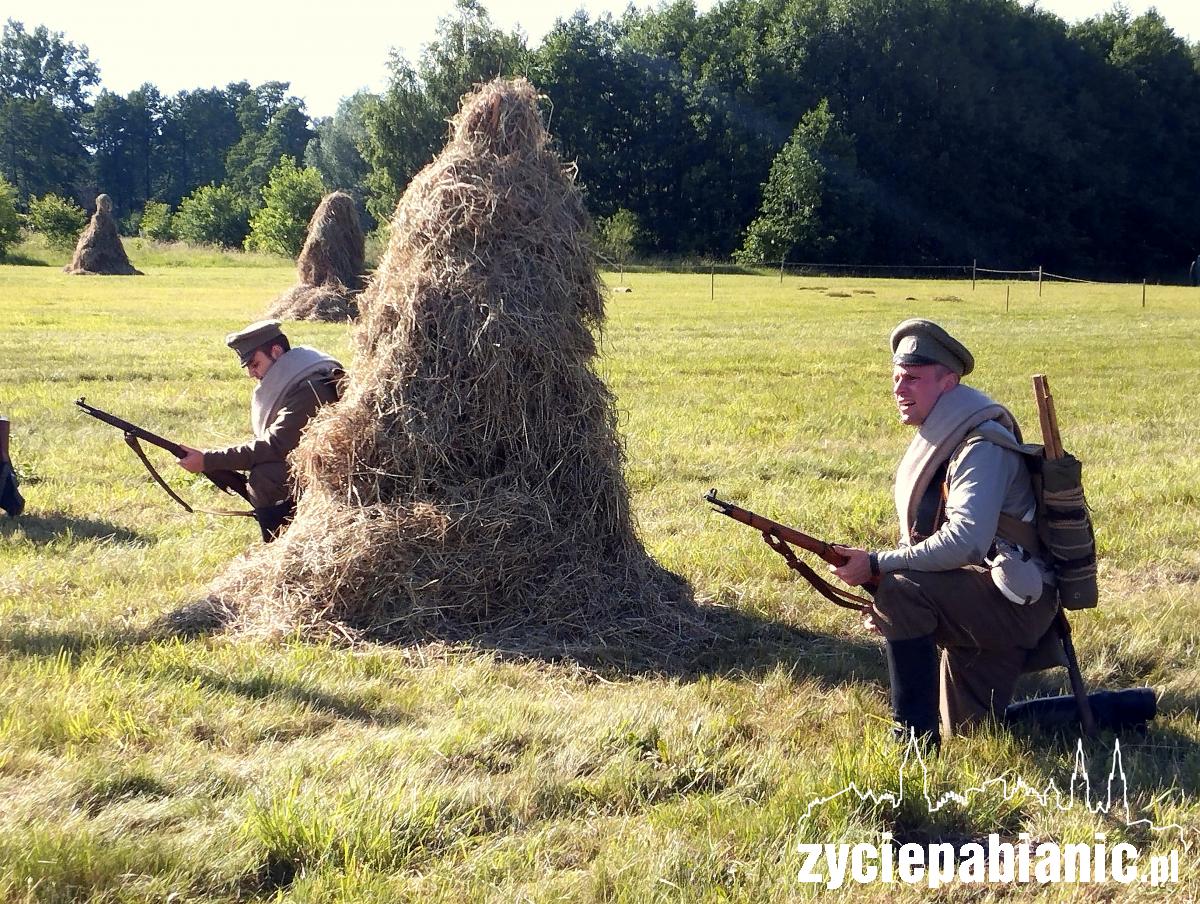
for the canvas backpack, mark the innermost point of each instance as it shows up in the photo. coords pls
(1062, 531)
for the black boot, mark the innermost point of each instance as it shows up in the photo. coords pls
(913, 670)
(10, 496)
(272, 519)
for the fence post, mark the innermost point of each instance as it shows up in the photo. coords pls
(712, 281)
(974, 267)
(1143, 293)
(781, 263)
(1007, 290)
(1039, 280)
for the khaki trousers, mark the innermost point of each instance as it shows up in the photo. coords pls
(985, 639)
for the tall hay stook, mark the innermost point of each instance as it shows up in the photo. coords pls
(99, 250)
(470, 482)
(330, 267)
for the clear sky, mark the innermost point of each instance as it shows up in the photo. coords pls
(329, 50)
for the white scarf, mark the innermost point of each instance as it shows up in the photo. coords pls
(955, 414)
(290, 369)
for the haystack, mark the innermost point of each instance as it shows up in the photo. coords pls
(99, 249)
(330, 266)
(470, 483)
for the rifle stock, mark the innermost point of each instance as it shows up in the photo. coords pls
(226, 481)
(781, 538)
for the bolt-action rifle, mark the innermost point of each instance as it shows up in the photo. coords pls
(782, 538)
(226, 481)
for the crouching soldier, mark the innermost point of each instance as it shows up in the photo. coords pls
(292, 384)
(955, 582)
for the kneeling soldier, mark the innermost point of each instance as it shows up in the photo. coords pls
(956, 581)
(292, 384)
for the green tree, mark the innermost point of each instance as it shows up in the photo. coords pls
(290, 197)
(125, 135)
(335, 152)
(155, 223)
(406, 125)
(273, 125)
(620, 236)
(45, 81)
(402, 129)
(198, 129)
(10, 224)
(58, 219)
(813, 203)
(212, 215)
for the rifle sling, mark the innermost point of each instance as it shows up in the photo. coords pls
(835, 595)
(132, 442)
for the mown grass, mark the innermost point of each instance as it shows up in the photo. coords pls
(134, 768)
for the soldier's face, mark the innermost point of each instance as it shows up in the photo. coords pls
(260, 363)
(917, 387)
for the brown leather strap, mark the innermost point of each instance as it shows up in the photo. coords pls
(835, 595)
(1022, 533)
(132, 442)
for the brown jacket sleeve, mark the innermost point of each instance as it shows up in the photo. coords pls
(283, 435)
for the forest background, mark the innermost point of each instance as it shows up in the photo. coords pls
(838, 131)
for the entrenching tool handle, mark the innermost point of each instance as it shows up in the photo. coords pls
(1049, 420)
(1052, 442)
(1086, 718)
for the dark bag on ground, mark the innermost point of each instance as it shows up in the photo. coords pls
(1112, 710)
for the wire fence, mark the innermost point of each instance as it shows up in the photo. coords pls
(972, 271)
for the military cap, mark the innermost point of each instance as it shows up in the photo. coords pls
(919, 342)
(256, 335)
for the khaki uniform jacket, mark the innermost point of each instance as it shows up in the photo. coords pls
(266, 459)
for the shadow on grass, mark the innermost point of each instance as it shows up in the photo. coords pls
(72, 645)
(265, 686)
(75, 645)
(43, 529)
(689, 642)
(22, 260)
(715, 641)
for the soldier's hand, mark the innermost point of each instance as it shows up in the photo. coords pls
(193, 461)
(857, 569)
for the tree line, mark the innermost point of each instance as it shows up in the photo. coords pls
(840, 131)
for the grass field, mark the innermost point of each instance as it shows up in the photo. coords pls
(136, 769)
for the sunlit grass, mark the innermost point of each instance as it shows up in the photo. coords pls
(132, 769)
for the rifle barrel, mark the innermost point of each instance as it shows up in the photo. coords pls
(765, 525)
(126, 427)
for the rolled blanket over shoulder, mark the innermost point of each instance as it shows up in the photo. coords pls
(299, 364)
(957, 413)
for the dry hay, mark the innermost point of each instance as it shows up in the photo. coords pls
(837, 293)
(327, 303)
(946, 298)
(330, 266)
(99, 249)
(469, 485)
